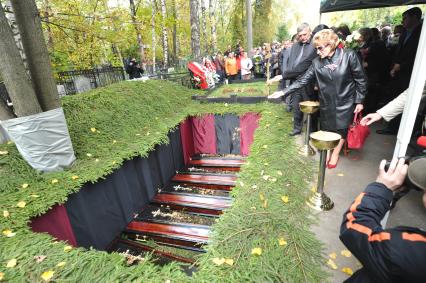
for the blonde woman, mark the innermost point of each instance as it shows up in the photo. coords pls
(342, 86)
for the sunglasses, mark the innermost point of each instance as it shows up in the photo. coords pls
(321, 48)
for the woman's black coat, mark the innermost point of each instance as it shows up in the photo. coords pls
(342, 84)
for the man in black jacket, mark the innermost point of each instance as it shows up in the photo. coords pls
(403, 61)
(134, 69)
(300, 57)
(387, 255)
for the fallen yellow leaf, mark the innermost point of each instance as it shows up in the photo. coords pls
(256, 251)
(261, 196)
(96, 160)
(6, 213)
(265, 146)
(331, 264)
(21, 204)
(346, 253)
(114, 141)
(11, 263)
(241, 184)
(24, 186)
(254, 187)
(67, 248)
(284, 199)
(265, 203)
(47, 275)
(333, 255)
(93, 130)
(3, 152)
(147, 133)
(75, 177)
(62, 263)
(218, 261)
(226, 104)
(273, 180)
(8, 233)
(262, 172)
(34, 196)
(1, 276)
(266, 163)
(266, 177)
(279, 173)
(9, 142)
(229, 261)
(348, 271)
(54, 181)
(282, 242)
(88, 154)
(313, 189)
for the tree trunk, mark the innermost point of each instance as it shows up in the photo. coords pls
(15, 77)
(28, 20)
(5, 113)
(49, 31)
(195, 29)
(154, 12)
(249, 27)
(138, 31)
(165, 36)
(212, 8)
(204, 26)
(175, 44)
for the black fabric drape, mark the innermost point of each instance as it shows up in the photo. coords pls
(100, 211)
(343, 5)
(227, 134)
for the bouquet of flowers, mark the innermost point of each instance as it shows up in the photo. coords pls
(352, 41)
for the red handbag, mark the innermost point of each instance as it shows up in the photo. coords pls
(357, 133)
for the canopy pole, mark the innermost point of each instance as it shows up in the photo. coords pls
(320, 18)
(414, 96)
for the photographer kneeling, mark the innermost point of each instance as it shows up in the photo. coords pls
(387, 255)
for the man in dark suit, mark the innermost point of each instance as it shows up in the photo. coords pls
(300, 57)
(403, 61)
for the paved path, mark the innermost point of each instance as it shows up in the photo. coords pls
(345, 182)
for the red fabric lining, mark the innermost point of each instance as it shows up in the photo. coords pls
(56, 223)
(186, 137)
(204, 134)
(248, 125)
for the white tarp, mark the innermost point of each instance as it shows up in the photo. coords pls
(42, 139)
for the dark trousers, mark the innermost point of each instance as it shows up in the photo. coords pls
(297, 114)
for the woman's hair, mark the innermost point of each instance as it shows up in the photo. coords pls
(344, 31)
(366, 33)
(326, 36)
(319, 28)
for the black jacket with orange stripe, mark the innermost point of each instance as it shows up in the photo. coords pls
(387, 255)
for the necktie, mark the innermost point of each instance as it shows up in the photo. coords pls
(299, 58)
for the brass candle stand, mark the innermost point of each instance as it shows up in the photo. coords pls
(323, 141)
(308, 107)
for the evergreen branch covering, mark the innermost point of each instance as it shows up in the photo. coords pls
(264, 237)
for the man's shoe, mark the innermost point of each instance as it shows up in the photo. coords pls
(294, 133)
(386, 132)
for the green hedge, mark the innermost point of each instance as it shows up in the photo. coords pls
(116, 123)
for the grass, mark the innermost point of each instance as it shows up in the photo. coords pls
(130, 119)
(244, 89)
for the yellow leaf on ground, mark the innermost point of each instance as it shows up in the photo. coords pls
(273, 180)
(67, 248)
(1, 276)
(75, 177)
(9, 142)
(229, 261)
(254, 187)
(282, 242)
(88, 154)
(265, 203)
(8, 233)
(96, 160)
(11, 263)
(147, 133)
(54, 181)
(24, 186)
(265, 146)
(93, 130)
(332, 264)
(114, 141)
(279, 173)
(241, 184)
(47, 275)
(284, 199)
(340, 174)
(6, 213)
(266, 177)
(313, 189)
(348, 271)
(333, 255)
(266, 163)
(256, 251)
(346, 253)
(261, 196)
(34, 196)
(218, 261)
(21, 204)
(62, 263)
(3, 152)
